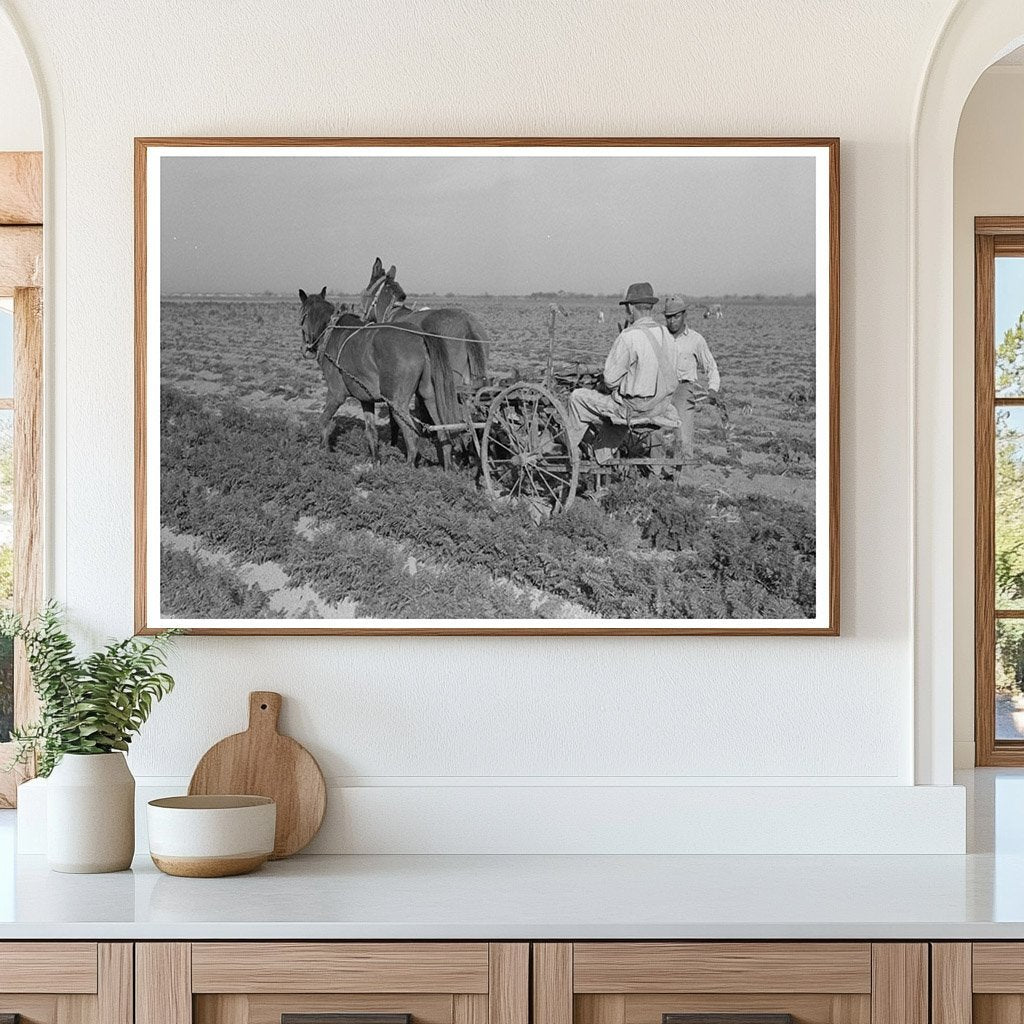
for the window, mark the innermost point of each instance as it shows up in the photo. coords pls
(21, 365)
(6, 510)
(999, 490)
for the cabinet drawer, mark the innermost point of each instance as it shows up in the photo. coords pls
(66, 982)
(634, 967)
(65, 967)
(340, 967)
(332, 983)
(730, 983)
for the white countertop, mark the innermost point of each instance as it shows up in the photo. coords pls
(977, 896)
(517, 897)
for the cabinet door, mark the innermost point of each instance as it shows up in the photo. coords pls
(980, 982)
(730, 983)
(332, 983)
(65, 983)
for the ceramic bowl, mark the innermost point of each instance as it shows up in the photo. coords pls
(211, 836)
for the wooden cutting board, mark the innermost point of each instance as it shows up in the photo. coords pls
(262, 762)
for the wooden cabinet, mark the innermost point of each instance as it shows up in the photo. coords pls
(66, 982)
(752, 982)
(309, 982)
(494, 983)
(979, 982)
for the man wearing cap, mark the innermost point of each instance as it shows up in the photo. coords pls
(692, 353)
(640, 375)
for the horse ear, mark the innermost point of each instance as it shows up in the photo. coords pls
(378, 268)
(391, 273)
(323, 292)
(302, 295)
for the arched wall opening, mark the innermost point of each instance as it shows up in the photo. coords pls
(976, 34)
(989, 153)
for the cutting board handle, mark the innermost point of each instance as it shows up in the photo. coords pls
(264, 710)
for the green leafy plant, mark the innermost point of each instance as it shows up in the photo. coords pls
(90, 705)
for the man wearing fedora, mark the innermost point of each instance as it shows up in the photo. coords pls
(640, 375)
(692, 354)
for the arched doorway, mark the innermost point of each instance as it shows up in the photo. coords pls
(976, 34)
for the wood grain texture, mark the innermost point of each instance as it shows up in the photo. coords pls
(269, 1009)
(21, 188)
(31, 1009)
(28, 483)
(208, 867)
(998, 1009)
(304, 967)
(28, 502)
(163, 983)
(633, 967)
(65, 967)
(999, 226)
(805, 1008)
(508, 993)
(552, 983)
(226, 1009)
(951, 983)
(76, 1009)
(603, 1009)
(143, 145)
(468, 1009)
(115, 996)
(21, 258)
(262, 762)
(899, 991)
(998, 967)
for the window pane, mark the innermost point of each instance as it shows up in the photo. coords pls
(1009, 322)
(1009, 679)
(6, 353)
(1009, 575)
(6, 567)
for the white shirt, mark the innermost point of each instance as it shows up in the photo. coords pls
(641, 364)
(692, 352)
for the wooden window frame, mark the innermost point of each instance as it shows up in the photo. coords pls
(21, 278)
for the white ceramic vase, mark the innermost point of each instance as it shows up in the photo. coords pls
(90, 814)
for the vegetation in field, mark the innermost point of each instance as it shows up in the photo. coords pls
(197, 584)
(1009, 510)
(404, 542)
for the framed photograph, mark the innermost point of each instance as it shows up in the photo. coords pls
(476, 385)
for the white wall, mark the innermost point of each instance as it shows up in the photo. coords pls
(21, 126)
(450, 713)
(987, 181)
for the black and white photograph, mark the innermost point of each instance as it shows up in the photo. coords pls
(444, 386)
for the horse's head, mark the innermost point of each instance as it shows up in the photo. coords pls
(382, 294)
(316, 315)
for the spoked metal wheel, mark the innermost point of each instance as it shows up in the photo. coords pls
(526, 453)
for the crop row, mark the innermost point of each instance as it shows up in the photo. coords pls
(243, 480)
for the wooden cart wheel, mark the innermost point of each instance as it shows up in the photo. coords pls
(526, 452)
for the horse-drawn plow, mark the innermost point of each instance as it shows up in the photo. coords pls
(518, 429)
(521, 436)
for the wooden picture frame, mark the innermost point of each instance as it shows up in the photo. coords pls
(822, 407)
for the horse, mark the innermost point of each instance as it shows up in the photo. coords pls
(376, 363)
(383, 301)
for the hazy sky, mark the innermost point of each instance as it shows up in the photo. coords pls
(512, 225)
